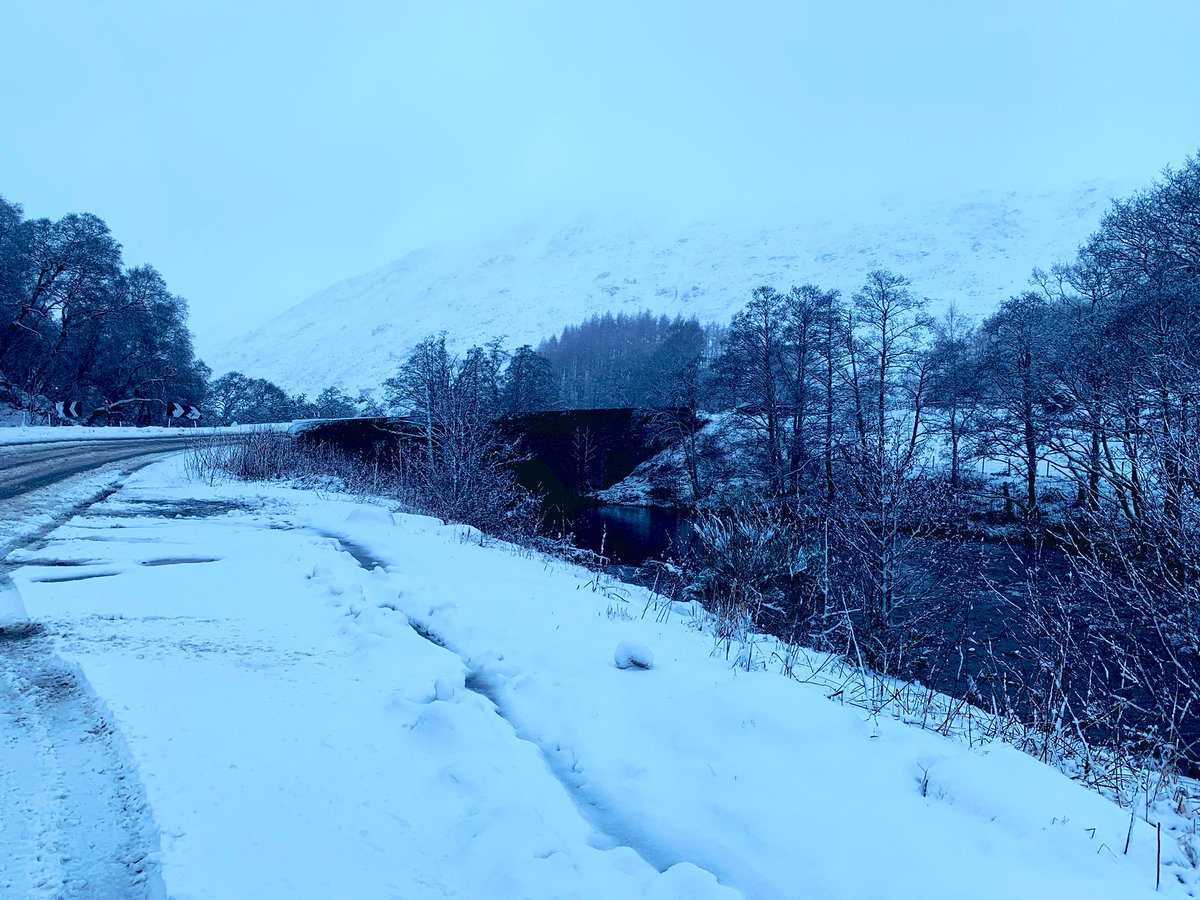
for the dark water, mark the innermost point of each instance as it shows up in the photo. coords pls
(631, 535)
(974, 595)
(988, 604)
(978, 587)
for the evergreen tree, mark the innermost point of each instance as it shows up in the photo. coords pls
(528, 383)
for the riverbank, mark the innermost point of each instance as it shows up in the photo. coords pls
(324, 699)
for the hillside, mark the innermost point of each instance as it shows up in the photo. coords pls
(974, 251)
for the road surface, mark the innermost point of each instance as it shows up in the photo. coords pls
(76, 823)
(28, 467)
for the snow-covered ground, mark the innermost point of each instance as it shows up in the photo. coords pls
(319, 698)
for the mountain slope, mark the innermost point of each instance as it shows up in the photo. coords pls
(972, 251)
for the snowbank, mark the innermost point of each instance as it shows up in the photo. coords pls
(325, 699)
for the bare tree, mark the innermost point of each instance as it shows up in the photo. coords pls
(954, 388)
(1018, 422)
(463, 472)
(750, 365)
(422, 389)
(889, 376)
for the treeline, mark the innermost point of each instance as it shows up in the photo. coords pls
(623, 361)
(77, 324)
(1093, 374)
(238, 399)
(439, 388)
(1090, 376)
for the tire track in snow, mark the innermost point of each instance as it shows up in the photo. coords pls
(75, 820)
(605, 837)
(31, 536)
(85, 828)
(613, 827)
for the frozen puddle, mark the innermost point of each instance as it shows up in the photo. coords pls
(78, 576)
(83, 829)
(183, 509)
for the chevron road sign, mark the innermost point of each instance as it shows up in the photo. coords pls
(68, 409)
(180, 410)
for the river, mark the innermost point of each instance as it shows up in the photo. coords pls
(997, 616)
(629, 536)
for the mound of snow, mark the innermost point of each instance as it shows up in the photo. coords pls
(632, 655)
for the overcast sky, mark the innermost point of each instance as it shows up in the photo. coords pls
(255, 152)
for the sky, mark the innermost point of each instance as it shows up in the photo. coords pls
(256, 151)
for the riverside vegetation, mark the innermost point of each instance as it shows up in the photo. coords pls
(837, 503)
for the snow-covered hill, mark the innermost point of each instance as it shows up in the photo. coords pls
(974, 251)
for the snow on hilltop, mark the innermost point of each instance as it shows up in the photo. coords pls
(974, 251)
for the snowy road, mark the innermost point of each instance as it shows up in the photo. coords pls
(285, 694)
(74, 821)
(27, 467)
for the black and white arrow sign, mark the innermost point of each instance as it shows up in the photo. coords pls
(68, 409)
(175, 410)
(193, 413)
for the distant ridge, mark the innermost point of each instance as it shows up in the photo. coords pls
(974, 251)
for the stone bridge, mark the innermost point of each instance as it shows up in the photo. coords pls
(567, 454)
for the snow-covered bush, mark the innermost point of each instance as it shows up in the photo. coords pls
(747, 559)
(464, 474)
